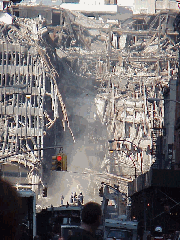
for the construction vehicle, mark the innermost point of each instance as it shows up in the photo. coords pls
(119, 226)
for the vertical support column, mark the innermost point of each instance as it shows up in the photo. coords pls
(159, 32)
(6, 66)
(61, 18)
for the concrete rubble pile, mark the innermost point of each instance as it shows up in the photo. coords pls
(138, 59)
(126, 63)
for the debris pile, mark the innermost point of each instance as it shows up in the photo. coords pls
(120, 64)
(138, 60)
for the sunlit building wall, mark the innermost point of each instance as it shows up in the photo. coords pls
(152, 6)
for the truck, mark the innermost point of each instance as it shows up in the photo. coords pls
(124, 230)
(58, 220)
(118, 227)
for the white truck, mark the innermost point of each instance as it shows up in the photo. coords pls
(117, 228)
(124, 230)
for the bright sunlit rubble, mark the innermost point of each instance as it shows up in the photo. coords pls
(52, 72)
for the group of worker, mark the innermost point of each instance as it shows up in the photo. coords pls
(74, 199)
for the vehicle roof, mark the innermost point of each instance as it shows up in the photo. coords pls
(70, 208)
(118, 229)
(69, 226)
(121, 224)
(26, 193)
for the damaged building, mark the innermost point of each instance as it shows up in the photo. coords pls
(30, 99)
(55, 62)
(144, 65)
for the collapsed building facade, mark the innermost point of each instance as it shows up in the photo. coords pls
(145, 66)
(30, 99)
(124, 64)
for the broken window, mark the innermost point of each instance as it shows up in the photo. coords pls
(4, 59)
(3, 80)
(8, 79)
(32, 121)
(119, 145)
(36, 101)
(32, 100)
(23, 142)
(17, 59)
(127, 129)
(9, 99)
(11, 80)
(25, 60)
(22, 100)
(23, 79)
(16, 79)
(41, 101)
(34, 61)
(41, 80)
(19, 121)
(29, 60)
(9, 58)
(23, 119)
(11, 122)
(27, 121)
(15, 100)
(33, 81)
(48, 84)
(137, 129)
(29, 81)
(21, 59)
(13, 58)
(0, 58)
(35, 122)
(41, 122)
(28, 99)
(20, 79)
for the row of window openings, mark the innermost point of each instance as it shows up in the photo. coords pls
(12, 99)
(9, 80)
(16, 59)
(23, 142)
(30, 122)
(36, 141)
(12, 147)
(128, 127)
